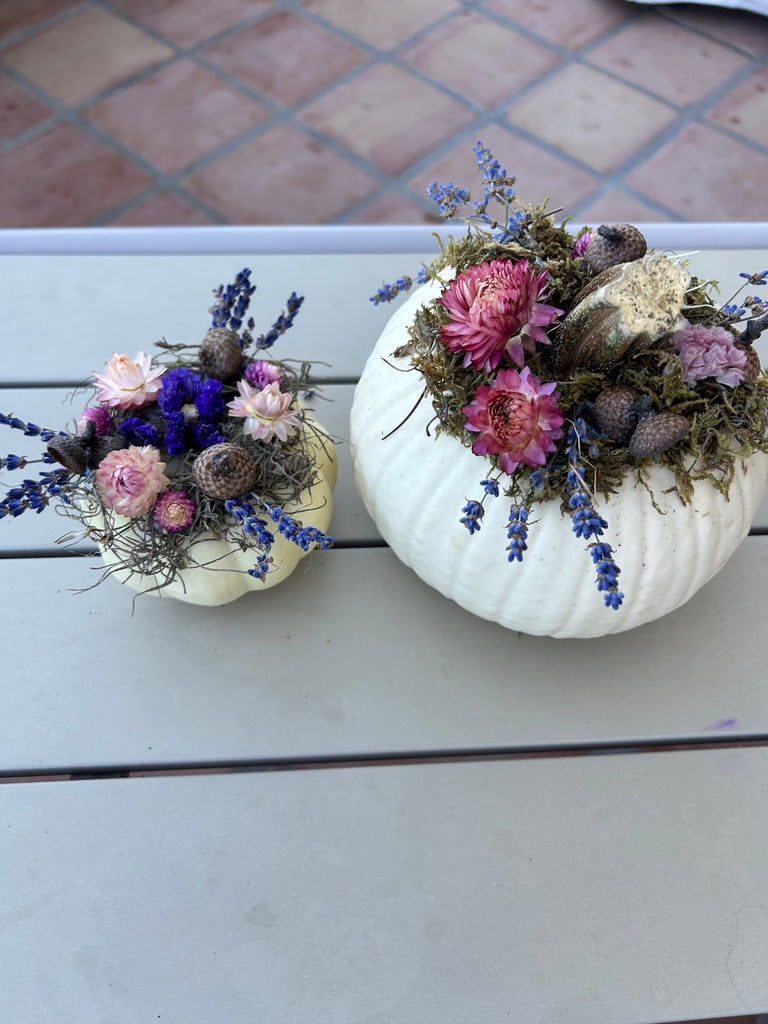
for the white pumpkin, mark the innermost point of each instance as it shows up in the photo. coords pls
(414, 486)
(219, 573)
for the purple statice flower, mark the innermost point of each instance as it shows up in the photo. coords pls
(180, 387)
(137, 431)
(99, 416)
(182, 391)
(709, 352)
(260, 373)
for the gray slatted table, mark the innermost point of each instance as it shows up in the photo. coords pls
(504, 883)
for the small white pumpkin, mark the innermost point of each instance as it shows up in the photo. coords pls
(219, 573)
(414, 486)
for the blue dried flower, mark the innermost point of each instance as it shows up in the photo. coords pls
(473, 514)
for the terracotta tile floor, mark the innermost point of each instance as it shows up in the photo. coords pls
(335, 111)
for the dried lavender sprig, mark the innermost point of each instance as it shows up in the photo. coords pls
(233, 301)
(517, 532)
(29, 429)
(35, 494)
(586, 522)
(473, 514)
(283, 322)
(448, 197)
(252, 524)
(292, 529)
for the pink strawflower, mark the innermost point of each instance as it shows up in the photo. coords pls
(130, 479)
(495, 311)
(174, 511)
(129, 383)
(99, 416)
(581, 243)
(709, 352)
(260, 373)
(267, 412)
(517, 418)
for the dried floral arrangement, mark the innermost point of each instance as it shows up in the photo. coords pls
(211, 440)
(568, 362)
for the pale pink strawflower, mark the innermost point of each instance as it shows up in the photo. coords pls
(127, 383)
(267, 412)
(174, 511)
(495, 312)
(709, 352)
(130, 479)
(99, 416)
(517, 418)
(260, 373)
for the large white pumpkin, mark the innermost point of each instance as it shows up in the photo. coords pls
(414, 486)
(218, 573)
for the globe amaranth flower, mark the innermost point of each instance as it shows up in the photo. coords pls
(130, 479)
(267, 412)
(495, 312)
(174, 511)
(261, 372)
(129, 383)
(99, 416)
(709, 352)
(517, 418)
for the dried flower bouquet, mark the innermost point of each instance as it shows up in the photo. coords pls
(575, 368)
(200, 475)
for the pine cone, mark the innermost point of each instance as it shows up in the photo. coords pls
(656, 433)
(224, 471)
(220, 354)
(613, 244)
(616, 411)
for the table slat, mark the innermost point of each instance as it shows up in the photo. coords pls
(354, 655)
(571, 891)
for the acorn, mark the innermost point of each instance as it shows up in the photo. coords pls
(656, 433)
(224, 471)
(615, 243)
(220, 353)
(617, 409)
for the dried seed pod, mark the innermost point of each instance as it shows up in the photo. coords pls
(615, 243)
(220, 353)
(100, 447)
(616, 410)
(70, 451)
(656, 433)
(224, 471)
(629, 306)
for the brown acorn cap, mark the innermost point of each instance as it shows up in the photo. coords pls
(220, 354)
(656, 433)
(752, 366)
(615, 243)
(224, 471)
(69, 451)
(616, 411)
